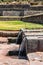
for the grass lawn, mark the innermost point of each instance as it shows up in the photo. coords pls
(16, 25)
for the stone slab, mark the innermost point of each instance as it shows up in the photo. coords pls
(35, 56)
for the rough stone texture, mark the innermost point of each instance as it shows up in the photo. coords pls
(13, 13)
(34, 19)
(24, 6)
(37, 8)
(21, 10)
(12, 39)
(41, 45)
(8, 33)
(33, 43)
(35, 56)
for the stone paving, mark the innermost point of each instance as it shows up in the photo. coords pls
(5, 48)
(8, 60)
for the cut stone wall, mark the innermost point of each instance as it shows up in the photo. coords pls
(12, 13)
(21, 10)
(37, 8)
(35, 19)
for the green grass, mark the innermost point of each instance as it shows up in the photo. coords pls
(16, 25)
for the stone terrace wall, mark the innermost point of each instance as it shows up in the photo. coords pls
(36, 8)
(14, 7)
(13, 10)
(18, 10)
(35, 19)
(8, 19)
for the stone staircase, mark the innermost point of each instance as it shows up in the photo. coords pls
(9, 50)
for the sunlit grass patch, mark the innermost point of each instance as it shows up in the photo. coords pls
(16, 25)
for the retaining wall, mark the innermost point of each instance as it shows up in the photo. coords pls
(37, 8)
(35, 19)
(20, 10)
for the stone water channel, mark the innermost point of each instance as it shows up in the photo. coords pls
(24, 47)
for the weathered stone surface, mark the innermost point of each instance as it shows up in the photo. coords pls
(41, 45)
(13, 13)
(5, 48)
(33, 44)
(37, 8)
(35, 56)
(8, 33)
(11, 39)
(35, 18)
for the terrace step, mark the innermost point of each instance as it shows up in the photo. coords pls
(8, 40)
(8, 33)
(3, 40)
(11, 39)
(5, 48)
